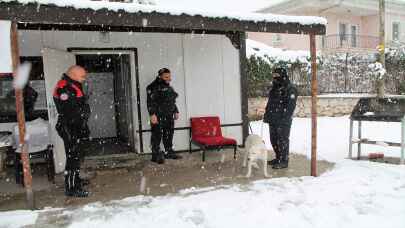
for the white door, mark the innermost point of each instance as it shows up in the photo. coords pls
(56, 62)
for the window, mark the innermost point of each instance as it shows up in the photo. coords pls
(342, 33)
(34, 109)
(277, 39)
(395, 31)
(353, 35)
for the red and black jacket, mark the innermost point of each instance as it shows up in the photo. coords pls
(71, 104)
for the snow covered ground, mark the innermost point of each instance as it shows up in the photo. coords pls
(354, 194)
(333, 137)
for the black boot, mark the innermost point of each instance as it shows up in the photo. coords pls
(273, 162)
(172, 155)
(158, 157)
(282, 164)
(73, 187)
(161, 158)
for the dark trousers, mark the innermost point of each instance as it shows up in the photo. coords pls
(280, 140)
(72, 149)
(163, 130)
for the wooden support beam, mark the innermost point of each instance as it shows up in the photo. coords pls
(21, 119)
(314, 94)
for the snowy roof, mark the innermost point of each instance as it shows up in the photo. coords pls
(137, 8)
(258, 49)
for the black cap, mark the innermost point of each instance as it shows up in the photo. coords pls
(282, 72)
(163, 71)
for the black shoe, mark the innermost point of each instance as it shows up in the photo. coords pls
(154, 158)
(273, 162)
(172, 155)
(280, 165)
(80, 193)
(160, 158)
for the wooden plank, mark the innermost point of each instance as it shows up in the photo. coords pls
(314, 114)
(374, 142)
(21, 120)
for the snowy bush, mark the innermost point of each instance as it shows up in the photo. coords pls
(376, 70)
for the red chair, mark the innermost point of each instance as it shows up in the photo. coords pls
(205, 132)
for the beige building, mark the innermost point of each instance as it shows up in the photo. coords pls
(352, 25)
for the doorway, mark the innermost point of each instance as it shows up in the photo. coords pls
(109, 91)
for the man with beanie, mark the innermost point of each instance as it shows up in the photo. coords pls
(279, 112)
(161, 102)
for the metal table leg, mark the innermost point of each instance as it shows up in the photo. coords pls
(359, 143)
(402, 140)
(350, 139)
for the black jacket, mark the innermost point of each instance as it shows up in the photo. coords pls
(71, 104)
(161, 98)
(281, 104)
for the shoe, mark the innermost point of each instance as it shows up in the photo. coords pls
(160, 158)
(280, 165)
(80, 193)
(273, 162)
(172, 155)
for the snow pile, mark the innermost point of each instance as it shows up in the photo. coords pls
(267, 53)
(15, 219)
(36, 136)
(178, 10)
(228, 5)
(354, 194)
(333, 137)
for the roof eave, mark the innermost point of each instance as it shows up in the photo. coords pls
(53, 15)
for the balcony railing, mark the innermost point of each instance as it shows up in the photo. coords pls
(337, 41)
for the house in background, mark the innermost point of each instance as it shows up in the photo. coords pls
(353, 26)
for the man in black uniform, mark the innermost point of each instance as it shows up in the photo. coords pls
(161, 102)
(74, 112)
(279, 111)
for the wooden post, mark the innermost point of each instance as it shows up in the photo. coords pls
(314, 94)
(21, 119)
(380, 82)
(351, 139)
(402, 161)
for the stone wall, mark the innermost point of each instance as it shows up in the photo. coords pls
(328, 105)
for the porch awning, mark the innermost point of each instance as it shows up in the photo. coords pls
(129, 15)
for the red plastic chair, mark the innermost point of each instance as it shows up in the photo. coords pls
(205, 132)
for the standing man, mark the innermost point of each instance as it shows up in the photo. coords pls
(161, 102)
(74, 112)
(279, 111)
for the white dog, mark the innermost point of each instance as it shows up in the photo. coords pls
(255, 150)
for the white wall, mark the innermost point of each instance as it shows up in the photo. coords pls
(205, 71)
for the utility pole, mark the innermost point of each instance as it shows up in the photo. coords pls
(380, 82)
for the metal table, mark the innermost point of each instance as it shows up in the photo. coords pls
(381, 110)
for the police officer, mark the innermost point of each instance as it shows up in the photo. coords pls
(74, 112)
(161, 102)
(279, 111)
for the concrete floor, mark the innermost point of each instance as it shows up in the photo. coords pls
(144, 177)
